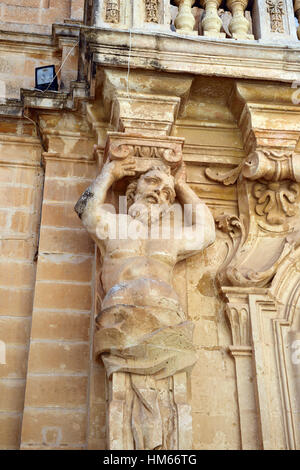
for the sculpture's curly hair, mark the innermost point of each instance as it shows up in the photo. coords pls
(131, 188)
(130, 192)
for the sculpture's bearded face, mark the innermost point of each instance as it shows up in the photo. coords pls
(153, 196)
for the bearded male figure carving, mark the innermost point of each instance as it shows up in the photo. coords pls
(142, 329)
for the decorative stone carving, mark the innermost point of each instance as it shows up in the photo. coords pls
(185, 20)
(276, 201)
(152, 11)
(297, 13)
(268, 197)
(276, 11)
(239, 25)
(244, 265)
(238, 315)
(266, 164)
(120, 146)
(112, 14)
(142, 334)
(211, 22)
(151, 15)
(273, 20)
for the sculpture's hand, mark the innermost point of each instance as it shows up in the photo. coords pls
(118, 169)
(180, 176)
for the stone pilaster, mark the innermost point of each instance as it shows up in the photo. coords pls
(56, 398)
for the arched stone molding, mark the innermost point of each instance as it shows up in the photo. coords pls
(260, 277)
(286, 290)
(265, 325)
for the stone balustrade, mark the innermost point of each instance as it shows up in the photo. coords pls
(270, 21)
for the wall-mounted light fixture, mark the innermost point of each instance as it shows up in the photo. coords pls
(45, 78)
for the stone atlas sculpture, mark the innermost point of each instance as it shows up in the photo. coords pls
(142, 329)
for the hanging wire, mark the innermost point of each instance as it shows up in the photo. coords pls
(60, 68)
(128, 66)
(43, 91)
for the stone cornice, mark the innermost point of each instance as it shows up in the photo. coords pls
(206, 56)
(40, 43)
(28, 154)
(88, 159)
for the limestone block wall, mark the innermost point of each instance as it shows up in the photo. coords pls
(21, 187)
(38, 15)
(21, 53)
(56, 404)
(52, 392)
(17, 68)
(57, 387)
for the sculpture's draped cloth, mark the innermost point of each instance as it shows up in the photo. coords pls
(142, 330)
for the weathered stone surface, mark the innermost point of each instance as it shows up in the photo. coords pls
(234, 98)
(142, 329)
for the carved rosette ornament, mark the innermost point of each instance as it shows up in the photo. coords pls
(112, 11)
(276, 11)
(152, 7)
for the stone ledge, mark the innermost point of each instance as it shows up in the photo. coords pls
(206, 56)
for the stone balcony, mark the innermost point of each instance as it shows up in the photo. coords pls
(241, 40)
(274, 21)
(253, 40)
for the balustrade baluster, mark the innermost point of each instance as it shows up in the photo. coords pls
(297, 13)
(239, 25)
(185, 20)
(211, 22)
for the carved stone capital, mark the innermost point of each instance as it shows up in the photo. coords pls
(164, 151)
(237, 312)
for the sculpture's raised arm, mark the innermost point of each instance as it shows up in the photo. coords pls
(199, 230)
(91, 206)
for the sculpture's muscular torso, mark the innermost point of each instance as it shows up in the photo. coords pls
(142, 328)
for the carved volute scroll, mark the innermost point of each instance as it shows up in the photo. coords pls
(144, 150)
(266, 164)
